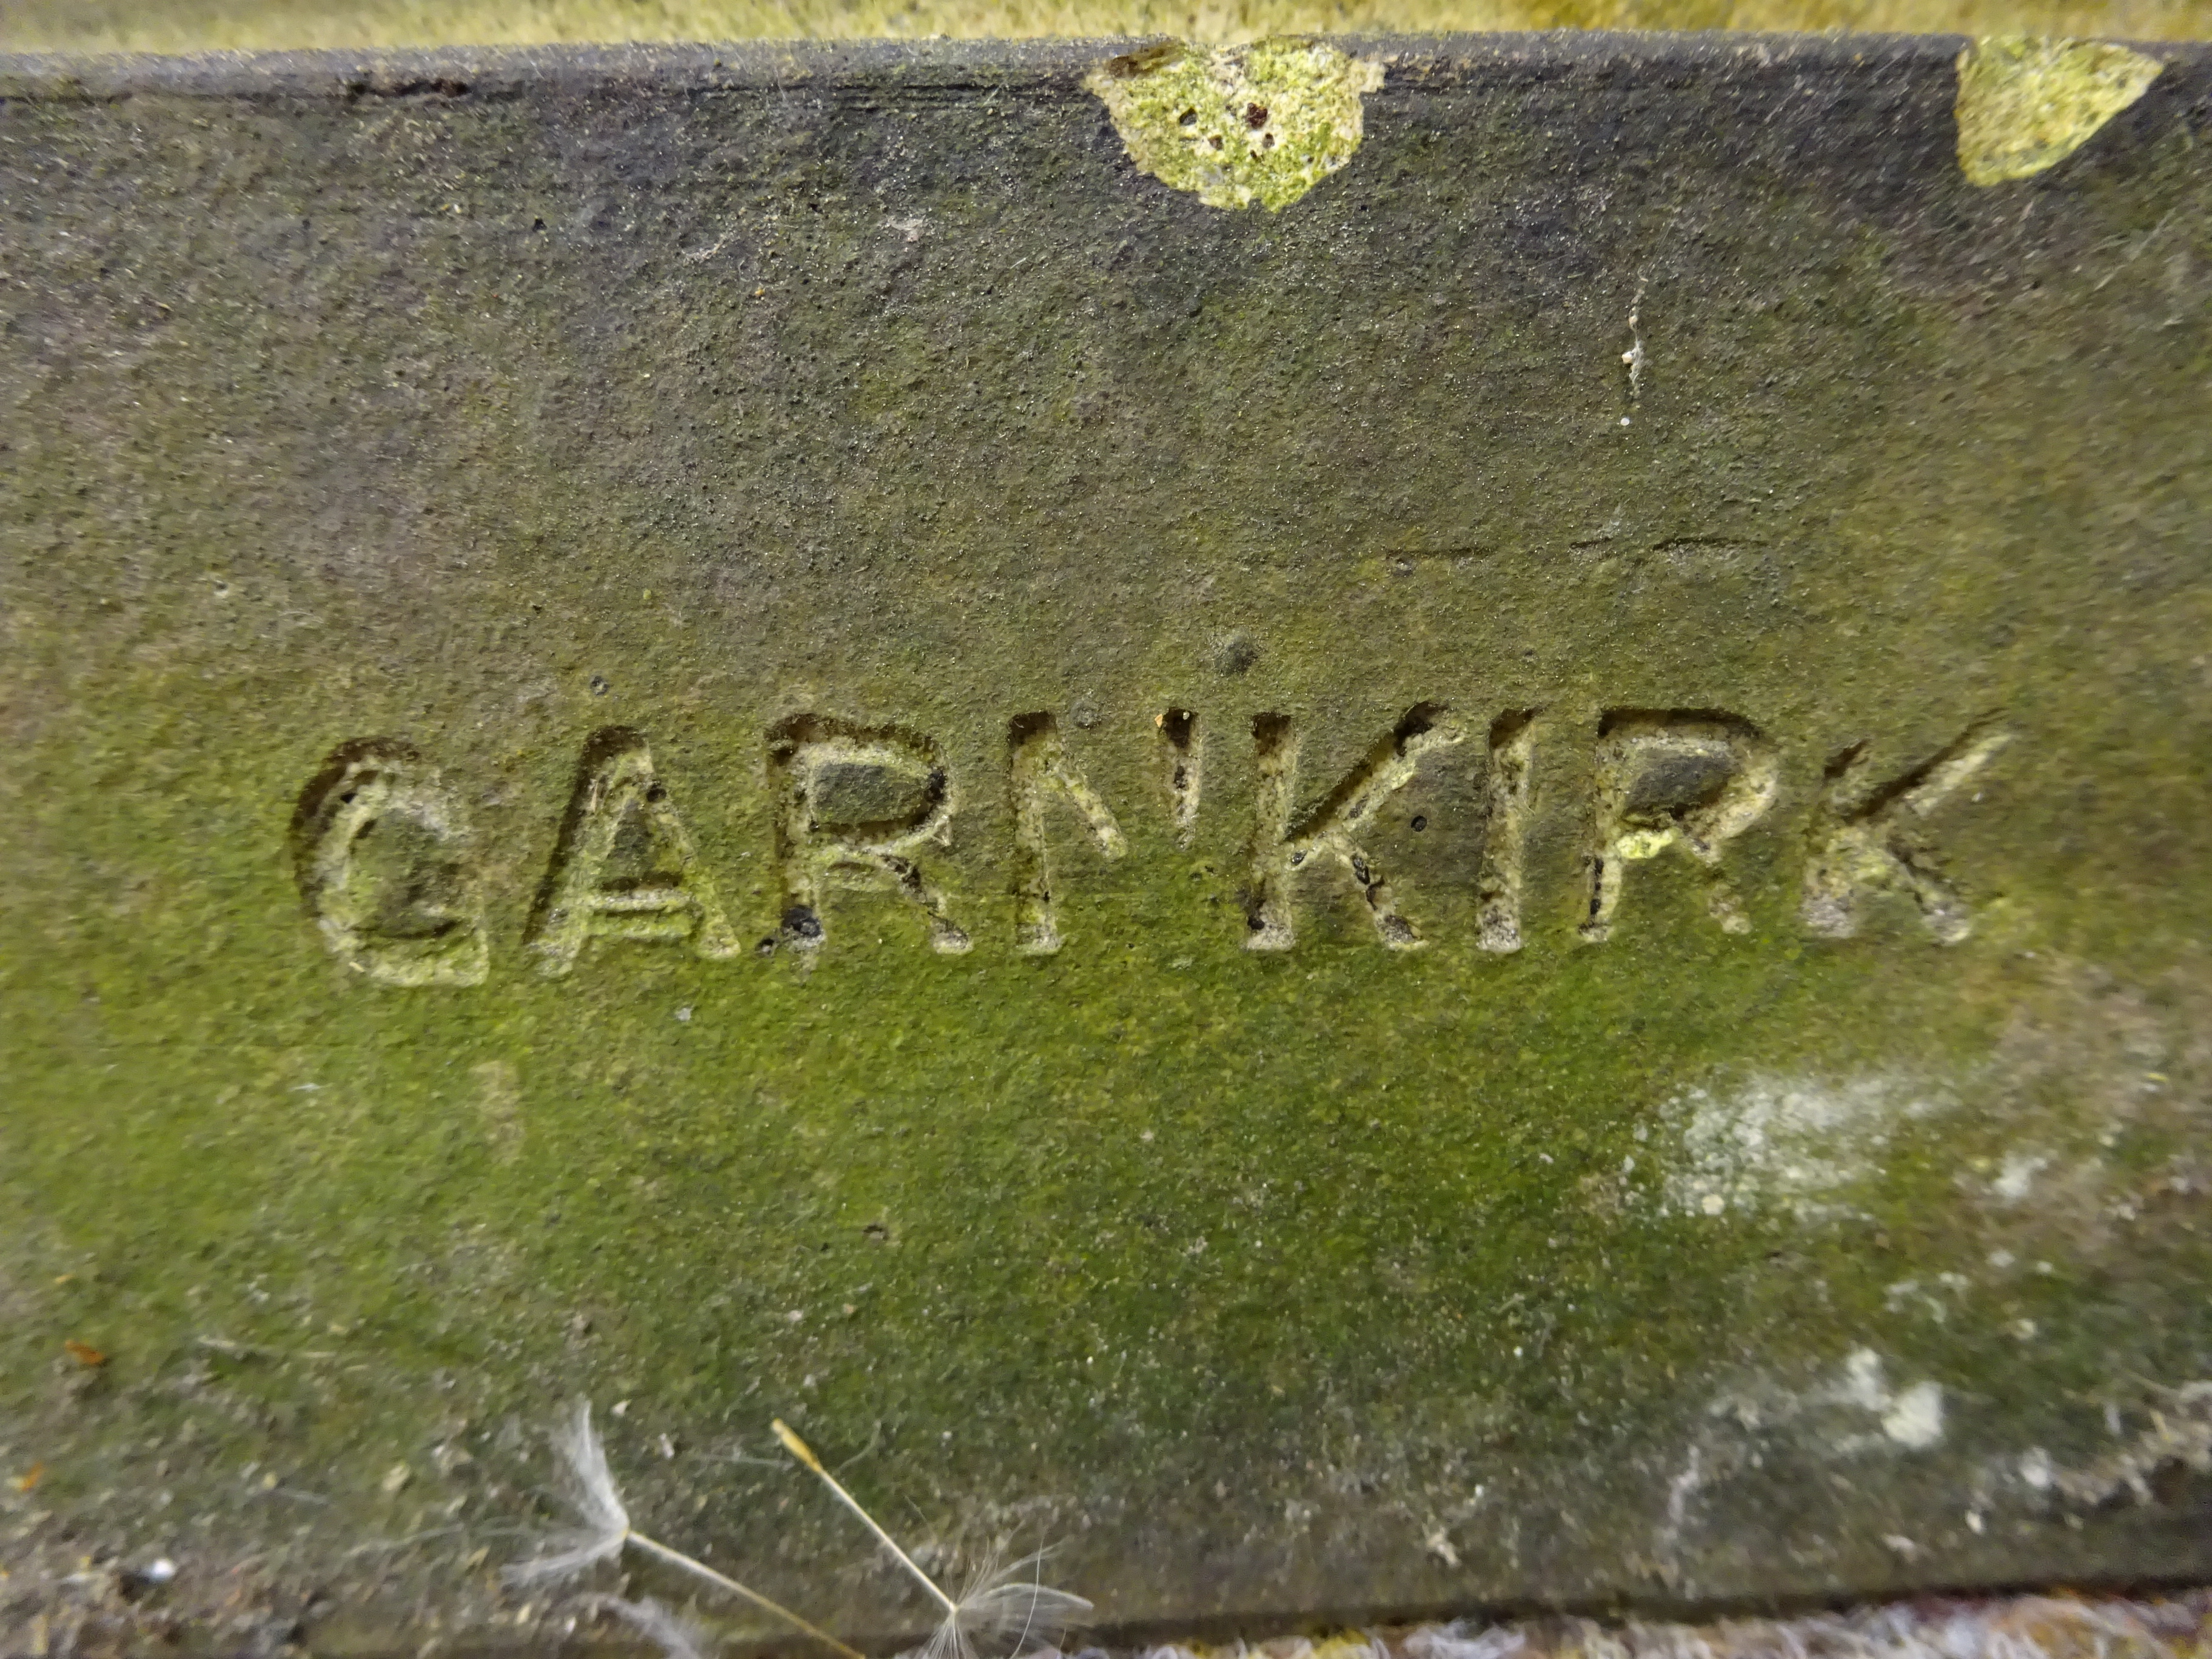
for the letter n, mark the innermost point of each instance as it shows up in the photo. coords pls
(1870, 840)
(1506, 832)
(1039, 767)
(625, 867)
(1281, 852)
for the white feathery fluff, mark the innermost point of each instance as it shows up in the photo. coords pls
(606, 1530)
(590, 1489)
(1005, 1608)
(1000, 1603)
(1460, 1640)
(679, 1638)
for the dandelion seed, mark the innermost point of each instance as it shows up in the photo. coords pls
(591, 1491)
(606, 1529)
(999, 1603)
(679, 1638)
(722, 1581)
(1006, 1608)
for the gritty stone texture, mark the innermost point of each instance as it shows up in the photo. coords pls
(1488, 891)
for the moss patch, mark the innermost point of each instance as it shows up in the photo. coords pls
(726, 406)
(1242, 126)
(2026, 105)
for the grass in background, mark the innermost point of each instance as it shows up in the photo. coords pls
(170, 26)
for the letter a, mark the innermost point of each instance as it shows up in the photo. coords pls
(1279, 852)
(625, 867)
(1865, 841)
(1039, 763)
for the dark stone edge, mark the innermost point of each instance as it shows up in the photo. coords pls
(460, 73)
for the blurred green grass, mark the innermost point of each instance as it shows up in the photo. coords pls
(174, 26)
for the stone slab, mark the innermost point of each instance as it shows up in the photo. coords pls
(1488, 892)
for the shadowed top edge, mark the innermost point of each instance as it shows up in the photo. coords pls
(464, 71)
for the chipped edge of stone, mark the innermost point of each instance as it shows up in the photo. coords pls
(1253, 126)
(2026, 104)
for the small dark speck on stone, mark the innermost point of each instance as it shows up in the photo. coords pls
(1236, 653)
(1421, 822)
(599, 686)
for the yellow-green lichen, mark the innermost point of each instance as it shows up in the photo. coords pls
(1240, 126)
(2025, 104)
